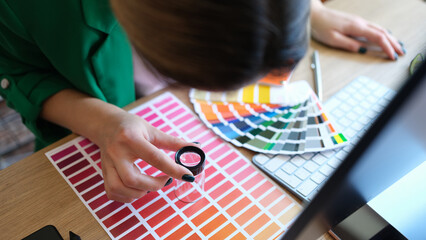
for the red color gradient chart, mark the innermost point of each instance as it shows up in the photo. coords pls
(239, 201)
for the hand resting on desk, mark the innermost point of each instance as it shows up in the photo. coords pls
(338, 29)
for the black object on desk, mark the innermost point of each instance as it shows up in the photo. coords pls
(48, 232)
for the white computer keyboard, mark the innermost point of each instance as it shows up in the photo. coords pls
(352, 110)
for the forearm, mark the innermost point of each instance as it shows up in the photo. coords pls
(79, 113)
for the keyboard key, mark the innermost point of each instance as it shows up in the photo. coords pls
(332, 104)
(328, 154)
(307, 187)
(372, 85)
(260, 158)
(355, 138)
(365, 104)
(383, 102)
(326, 170)
(389, 95)
(338, 113)
(298, 160)
(320, 159)
(333, 162)
(345, 107)
(348, 147)
(318, 177)
(358, 110)
(341, 155)
(352, 116)
(371, 114)
(292, 180)
(350, 90)
(345, 122)
(276, 162)
(311, 166)
(310, 197)
(358, 96)
(365, 91)
(342, 96)
(357, 126)
(307, 156)
(364, 120)
(302, 173)
(377, 108)
(380, 92)
(352, 102)
(372, 99)
(289, 168)
(350, 132)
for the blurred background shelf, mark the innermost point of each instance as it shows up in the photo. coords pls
(16, 141)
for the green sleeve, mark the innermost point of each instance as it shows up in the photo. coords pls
(47, 46)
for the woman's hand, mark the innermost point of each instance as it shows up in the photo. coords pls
(127, 138)
(339, 29)
(122, 138)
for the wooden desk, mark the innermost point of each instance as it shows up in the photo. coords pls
(33, 194)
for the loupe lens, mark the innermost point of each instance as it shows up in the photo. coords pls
(192, 158)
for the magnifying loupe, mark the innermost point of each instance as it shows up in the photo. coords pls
(192, 158)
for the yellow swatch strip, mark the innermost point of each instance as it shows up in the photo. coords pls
(248, 94)
(324, 117)
(264, 94)
(338, 139)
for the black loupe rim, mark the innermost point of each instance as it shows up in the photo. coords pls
(188, 149)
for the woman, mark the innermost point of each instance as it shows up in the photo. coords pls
(67, 66)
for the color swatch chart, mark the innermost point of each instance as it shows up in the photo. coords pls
(252, 121)
(239, 201)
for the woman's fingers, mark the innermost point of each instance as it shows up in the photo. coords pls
(374, 36)
(344, 42)
(400, 50)
(158, 159)
(164, 141)
(130, 184)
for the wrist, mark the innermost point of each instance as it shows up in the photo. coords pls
(82, 114)
(102, 121)
(316, 8)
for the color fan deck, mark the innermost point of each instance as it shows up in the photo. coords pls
(272, 120)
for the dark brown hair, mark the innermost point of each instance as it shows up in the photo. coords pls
(216, 44)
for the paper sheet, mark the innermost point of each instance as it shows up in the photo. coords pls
(240, 202)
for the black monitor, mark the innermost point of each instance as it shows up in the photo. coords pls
(393, 146)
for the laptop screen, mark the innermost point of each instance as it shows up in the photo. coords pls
(393, 146)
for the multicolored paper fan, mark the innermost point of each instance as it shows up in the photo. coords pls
(262, 119)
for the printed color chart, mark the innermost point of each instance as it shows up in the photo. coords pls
(239, 203)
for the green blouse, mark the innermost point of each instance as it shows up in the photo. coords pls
(49, 45)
